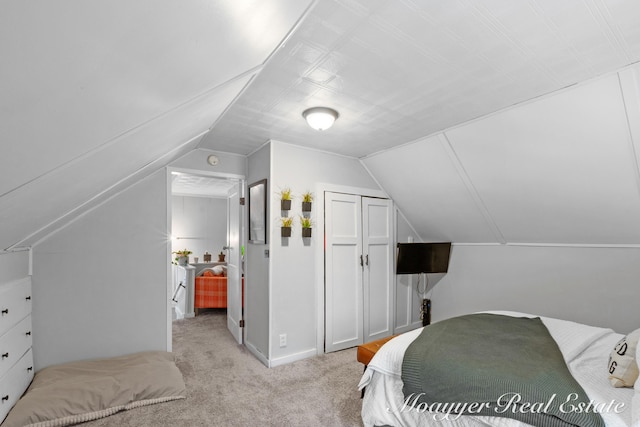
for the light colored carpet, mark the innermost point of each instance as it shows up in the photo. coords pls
(228, 386)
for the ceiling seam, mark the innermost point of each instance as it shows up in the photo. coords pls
(142, 125)
(557, 32)
(492, 23)
(613, 34)
(630, 85)
(444, 140)
(96, 198)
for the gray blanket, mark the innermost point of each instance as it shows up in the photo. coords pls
(488, 364)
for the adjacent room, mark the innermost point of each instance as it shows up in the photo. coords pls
(360, 204)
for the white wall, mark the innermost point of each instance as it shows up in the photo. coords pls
(13, 266)
(257, 292)
(100, 284)
(597, 286)
(199, 224)
(408, 299)
(558, 175)
(293, 260)
(229, 163)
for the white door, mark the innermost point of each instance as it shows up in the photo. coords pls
(234, 262)
(343, 272)
(377, 237)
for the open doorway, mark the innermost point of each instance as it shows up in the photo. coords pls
(206, 220)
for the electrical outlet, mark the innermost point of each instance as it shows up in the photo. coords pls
(283, 340)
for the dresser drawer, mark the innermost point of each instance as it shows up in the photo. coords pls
(14, 383)
(14, 344)
(15, 303)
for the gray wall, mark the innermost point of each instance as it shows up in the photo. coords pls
(597, 286)
(100, 284)
(294, 265)
(541, 201)
(257, 292)
(200, 223)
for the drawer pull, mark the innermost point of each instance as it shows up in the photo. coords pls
(5, 397)
(28, 333)
(5, 311)
(30, 368)
(5, 355)
(28, 298)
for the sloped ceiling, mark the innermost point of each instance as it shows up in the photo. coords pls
(562, 169)
(400, 70)
(94, 93)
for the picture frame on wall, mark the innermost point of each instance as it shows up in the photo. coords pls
(258, 212)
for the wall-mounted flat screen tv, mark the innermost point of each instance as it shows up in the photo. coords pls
(414, 258)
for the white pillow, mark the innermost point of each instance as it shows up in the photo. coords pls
(635, 402)
(623, 366)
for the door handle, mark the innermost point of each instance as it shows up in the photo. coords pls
(367, 260)
(361, 261)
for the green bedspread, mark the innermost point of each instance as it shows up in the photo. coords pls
(499, 366)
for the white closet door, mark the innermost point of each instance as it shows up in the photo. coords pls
(234, 264)
(343, 288)
(377, 239)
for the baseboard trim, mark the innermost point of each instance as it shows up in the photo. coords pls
(293, 358)
(253, 350)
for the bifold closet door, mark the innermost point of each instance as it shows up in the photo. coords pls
(343, 272)
(358, 270)
(378, 291)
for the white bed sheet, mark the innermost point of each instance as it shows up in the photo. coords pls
(585, 349)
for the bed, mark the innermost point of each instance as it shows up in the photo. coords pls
(584, 350)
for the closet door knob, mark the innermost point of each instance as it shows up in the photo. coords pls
(30, 368)
(5, 311)
(28, 298)
(5, 397)
(5, 355)
(28, 333)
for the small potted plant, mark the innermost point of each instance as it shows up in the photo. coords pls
(306, 226)
(285, 199)
(182, 257)
(286, 223)
(307, 198)
(221, 256)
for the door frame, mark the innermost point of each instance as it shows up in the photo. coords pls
(243, 241)
(320, 189)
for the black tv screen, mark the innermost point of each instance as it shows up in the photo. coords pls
(414, 258)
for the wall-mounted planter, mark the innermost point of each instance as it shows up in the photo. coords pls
(306, 206)
(285, 231)
(285, 205)
(306, 232)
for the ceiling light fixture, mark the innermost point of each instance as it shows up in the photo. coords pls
(320, 118)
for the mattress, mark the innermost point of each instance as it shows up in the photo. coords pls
(585, 349)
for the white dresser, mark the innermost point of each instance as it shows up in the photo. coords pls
(16, 358)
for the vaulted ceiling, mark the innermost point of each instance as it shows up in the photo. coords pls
(95, 95)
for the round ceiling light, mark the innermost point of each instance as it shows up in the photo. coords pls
(213, 160)
(320, 118)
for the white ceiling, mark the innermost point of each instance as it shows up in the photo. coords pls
(402, 69)
(97, 95)
(187, 184)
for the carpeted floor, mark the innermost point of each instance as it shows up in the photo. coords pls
(228, 386)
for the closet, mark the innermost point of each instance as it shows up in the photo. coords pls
(359, 292)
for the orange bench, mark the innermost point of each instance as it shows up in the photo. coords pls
(366, 351)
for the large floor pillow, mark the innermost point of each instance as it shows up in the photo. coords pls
(76, 392)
